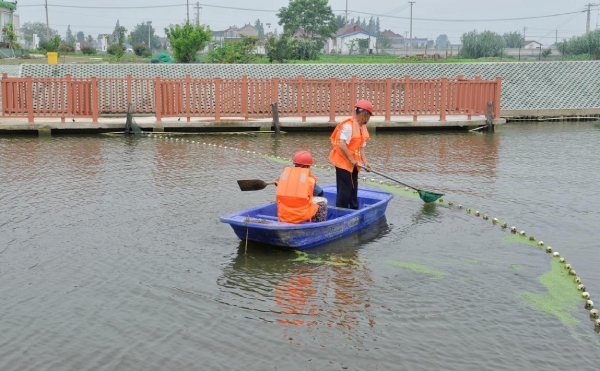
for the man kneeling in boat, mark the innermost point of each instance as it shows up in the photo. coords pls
(298, 195)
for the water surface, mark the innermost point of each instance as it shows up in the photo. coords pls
(112, 256)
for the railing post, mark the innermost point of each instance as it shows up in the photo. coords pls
(188, 93)
(332, 92)
(4, 93)
(275, 90)
(29, 99)
(94, 102)
(497, 97)
(406, 93)
(388, 99)
(353, 98)
(477, 97)
(217, 99)
(443, 104)
(129, 92)
(69, 102)
(158, 101)
(300, 99)
(245, 97)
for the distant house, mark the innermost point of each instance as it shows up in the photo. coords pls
(345, 40)
(531, 44)
(396, 41)
(418, 43)
(233, 34)
(102, 42)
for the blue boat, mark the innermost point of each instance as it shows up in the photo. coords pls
(260, 223)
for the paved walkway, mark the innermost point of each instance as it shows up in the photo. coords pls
(8, 124)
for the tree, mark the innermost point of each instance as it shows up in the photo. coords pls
(478, 45)
(52, 45)
(341, 21)
(279, 50)
(10, 37)
(513, 39)
(80, 36)
(90, 40)
(69, 38)
(115, 33)
(261, 29)
(139, 35)
(38, 28)
(442, 41)
(236, 52)
(313, 18)
(187, 39)
(585, 45)
(383, 42)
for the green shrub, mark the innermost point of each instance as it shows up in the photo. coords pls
(141, 49)
(88, 50)
(116, 49)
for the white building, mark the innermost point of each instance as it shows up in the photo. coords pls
(346, 40)
(531, 44)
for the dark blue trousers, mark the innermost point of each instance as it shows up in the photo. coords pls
(347, 188)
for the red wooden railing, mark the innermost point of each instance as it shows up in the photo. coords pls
(245, 98)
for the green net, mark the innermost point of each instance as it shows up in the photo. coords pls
(131, 127)
(429, 196)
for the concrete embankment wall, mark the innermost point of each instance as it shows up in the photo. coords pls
(529, 89)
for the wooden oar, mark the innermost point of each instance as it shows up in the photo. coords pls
(253, 184)
(426, 196)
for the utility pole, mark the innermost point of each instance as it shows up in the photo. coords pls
(556, 38)
(346, 11)
(589, 8)
(149, 29)
(47, 24)
(198, 7)
(411, 3)
(411, 40)
(188, 10)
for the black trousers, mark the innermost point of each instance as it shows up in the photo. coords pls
(347, 188)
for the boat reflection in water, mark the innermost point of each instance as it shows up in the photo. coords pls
(328, 285)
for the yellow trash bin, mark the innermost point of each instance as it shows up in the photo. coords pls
(52, 57)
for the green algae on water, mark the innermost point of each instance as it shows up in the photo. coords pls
(417, 268)
(562, 296)
(335, 261)
(521, 239)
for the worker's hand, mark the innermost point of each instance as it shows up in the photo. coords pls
(353, 162)
(367, 166)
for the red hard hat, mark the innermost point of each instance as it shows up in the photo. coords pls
(303, 158)
(365, 104)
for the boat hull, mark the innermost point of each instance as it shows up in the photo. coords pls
(260, 224)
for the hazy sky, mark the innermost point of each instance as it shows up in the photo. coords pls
(430, 17)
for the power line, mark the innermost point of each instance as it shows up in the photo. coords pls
(275, 11)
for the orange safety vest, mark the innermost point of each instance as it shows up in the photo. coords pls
(294, 195)
(359, 137)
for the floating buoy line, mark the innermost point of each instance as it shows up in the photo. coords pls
(387, 185)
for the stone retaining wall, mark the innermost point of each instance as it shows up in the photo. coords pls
(528, 88)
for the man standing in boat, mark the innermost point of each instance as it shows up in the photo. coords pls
(348, 141)
(295, 190)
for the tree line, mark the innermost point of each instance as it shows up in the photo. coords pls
(307, 25)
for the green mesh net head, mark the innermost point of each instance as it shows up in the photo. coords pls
(131, 127)
(429, 196)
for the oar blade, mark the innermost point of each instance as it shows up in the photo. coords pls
(252, 184)
(429, 196)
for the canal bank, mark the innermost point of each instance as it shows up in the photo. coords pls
(55, 126)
